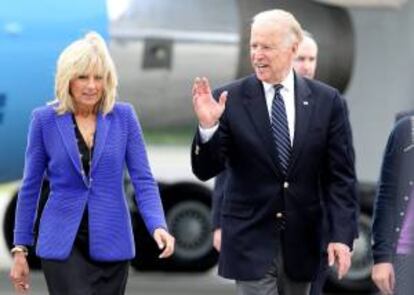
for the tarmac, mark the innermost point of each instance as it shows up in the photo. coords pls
(151, 283)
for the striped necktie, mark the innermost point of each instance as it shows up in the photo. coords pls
(280, 129)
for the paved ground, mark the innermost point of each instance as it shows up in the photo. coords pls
(149, 284)
(146, 284)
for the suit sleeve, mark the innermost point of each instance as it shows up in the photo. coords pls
(385, 202)
(147, 194)
(341, 200)
(217, 200)
(207, 159)
(34, 169)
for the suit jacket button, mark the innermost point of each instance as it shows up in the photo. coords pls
(197, 150)
(279, 215)
(285, 184)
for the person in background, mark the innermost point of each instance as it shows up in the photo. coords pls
(262, 130)
(306, 59)
(393, 222)
(82, 141)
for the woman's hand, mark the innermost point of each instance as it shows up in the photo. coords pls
(165, 242)
(384, 277)
(19, 273)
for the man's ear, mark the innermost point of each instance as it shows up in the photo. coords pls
(294, 48)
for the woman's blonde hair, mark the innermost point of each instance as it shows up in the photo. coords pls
(88, 55)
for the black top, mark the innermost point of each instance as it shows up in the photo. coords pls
(82, 238)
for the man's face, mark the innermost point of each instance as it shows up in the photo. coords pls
(271, 52)
(306, 59)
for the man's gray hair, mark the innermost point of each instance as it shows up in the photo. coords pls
(281, 18)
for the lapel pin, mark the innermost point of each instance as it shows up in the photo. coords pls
(305, 103)
(406, 149)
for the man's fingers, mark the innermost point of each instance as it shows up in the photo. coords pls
(331, 256)
(223, 99)
(339, 255)
(343, 265)
(217, 239)
(205, 85)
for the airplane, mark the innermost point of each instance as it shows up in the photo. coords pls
(159, 46)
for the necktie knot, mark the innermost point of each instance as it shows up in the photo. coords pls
(277, 88)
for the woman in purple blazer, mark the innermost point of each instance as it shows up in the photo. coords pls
(81, 142)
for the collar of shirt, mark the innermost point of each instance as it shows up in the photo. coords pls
(288, 95)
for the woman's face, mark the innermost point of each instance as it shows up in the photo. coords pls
(86, 90)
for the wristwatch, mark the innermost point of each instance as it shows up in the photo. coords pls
(19, 249)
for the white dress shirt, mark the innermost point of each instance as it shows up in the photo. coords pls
(288, 95)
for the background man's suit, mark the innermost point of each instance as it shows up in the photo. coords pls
(258, 198)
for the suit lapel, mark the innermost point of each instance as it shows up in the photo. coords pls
(102, 127)
(303, 109)
(67, 132)
(255, 105)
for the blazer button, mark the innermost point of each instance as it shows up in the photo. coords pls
(279, 215)
(286, 184)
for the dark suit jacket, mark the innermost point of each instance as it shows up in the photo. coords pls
(220, 182)
(256, 190)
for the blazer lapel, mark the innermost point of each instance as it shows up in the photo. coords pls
(303, 108)
(103, 123)
(67, 132)
(255, 104)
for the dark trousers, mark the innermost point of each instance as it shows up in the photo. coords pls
(319, 281)
(79, 275)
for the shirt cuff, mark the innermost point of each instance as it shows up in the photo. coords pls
(207, 133)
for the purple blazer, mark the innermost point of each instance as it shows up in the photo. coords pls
(52, 150)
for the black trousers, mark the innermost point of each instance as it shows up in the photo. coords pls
(319, 282)
(79, 275)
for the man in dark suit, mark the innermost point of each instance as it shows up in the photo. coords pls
(305, 64)
(283, 140)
